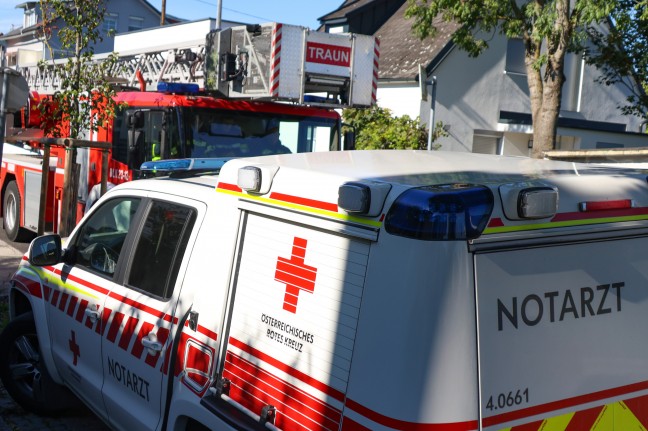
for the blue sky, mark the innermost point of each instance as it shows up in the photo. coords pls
(301, 12)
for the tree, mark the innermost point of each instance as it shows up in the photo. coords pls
(84, 85)
(621, 53)
(548, 28)
(376, 128)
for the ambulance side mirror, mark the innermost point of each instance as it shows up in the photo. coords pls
(45, 250)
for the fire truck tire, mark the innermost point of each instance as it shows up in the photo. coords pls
(12, 215)
(22, 372)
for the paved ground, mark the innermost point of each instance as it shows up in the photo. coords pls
(12, 417)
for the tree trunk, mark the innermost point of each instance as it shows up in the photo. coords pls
(545, 115)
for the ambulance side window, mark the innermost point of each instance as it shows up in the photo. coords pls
(160, 248)
(98, 245)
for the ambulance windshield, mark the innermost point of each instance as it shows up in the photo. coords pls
(220, 133)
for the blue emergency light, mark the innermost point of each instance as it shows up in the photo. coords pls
(184, 165)
(177, 88)
(441, 213)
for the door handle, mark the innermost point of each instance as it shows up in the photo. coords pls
(92, 313)
(152, 344)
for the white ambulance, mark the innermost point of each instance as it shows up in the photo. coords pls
(350, 291)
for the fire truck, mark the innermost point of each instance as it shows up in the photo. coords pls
(243, 91)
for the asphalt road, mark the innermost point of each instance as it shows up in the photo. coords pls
(12, 416)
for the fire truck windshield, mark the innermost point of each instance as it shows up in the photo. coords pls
(150, 134)
(220, 133)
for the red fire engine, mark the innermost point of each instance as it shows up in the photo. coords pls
(243, 100)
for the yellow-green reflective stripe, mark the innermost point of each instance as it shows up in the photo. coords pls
(54, 280)
(550, 225)
(343, 217)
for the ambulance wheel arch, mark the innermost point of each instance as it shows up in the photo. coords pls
(34, 389)
(12, 202)
(20, 304)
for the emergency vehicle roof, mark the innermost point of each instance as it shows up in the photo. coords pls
(412, 168)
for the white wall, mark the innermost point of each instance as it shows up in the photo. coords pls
(401, 99)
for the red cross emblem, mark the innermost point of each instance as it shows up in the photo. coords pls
(295, 274)
(74, 347)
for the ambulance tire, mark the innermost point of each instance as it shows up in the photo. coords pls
(19, 341)
(11, 216)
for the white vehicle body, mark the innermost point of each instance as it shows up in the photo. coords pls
(312, 292)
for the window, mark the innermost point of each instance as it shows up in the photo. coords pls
(142, 140)
(160, 248)
(29, 18)
(135, 23)
(110, 22)
(99, 242)
(515, 57)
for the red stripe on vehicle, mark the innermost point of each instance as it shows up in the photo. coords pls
(63, 301)
(304, 201)
(46, 291)
(127, 333)
(566, 403)
(81, 311)
(495, 222)
(638, 407)
(115, 326)
(584, 419)
(572, 216)
(401, 425)
(288, 369)
(145, 308)
(272, 390)
(230, 187)
(29, 286)
(69, 277)
(55, 297)
(207, 333)
(72, 305)
(103, 323)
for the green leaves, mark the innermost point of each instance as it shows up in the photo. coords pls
(84, 101)
(621, 54)
(376, 128)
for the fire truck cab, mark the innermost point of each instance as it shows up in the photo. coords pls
(355, 290)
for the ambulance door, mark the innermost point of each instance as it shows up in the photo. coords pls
(294, 318)
(76, 292)
(562, 332)
(145, 313)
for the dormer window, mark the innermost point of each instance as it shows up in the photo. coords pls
(29, 18)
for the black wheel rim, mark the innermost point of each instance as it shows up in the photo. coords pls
(24, 363)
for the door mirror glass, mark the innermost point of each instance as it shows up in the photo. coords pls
(45, 250)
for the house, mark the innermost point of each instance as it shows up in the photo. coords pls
(482, 102)
(26, 44)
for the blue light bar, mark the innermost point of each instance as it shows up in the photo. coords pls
(178, 88)
(186, 165)
(441, 213)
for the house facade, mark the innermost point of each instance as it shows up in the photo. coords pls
(483, 102)
(27, 44)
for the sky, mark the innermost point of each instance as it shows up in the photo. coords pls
(300, 12)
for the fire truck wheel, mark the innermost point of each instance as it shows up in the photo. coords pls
(21, 368)
(12, 215)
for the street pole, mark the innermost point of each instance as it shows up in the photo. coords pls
(219, 14)
(432, 104)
